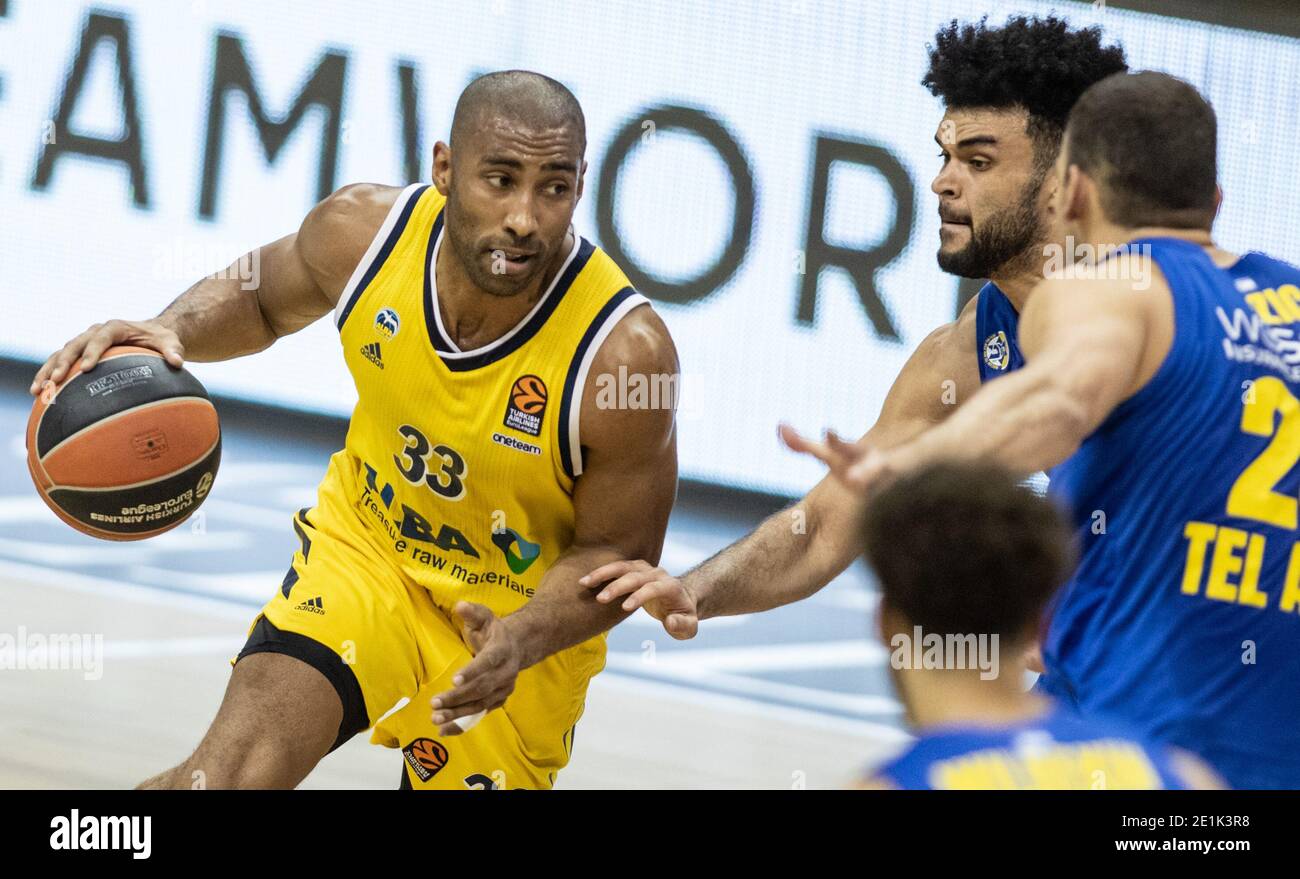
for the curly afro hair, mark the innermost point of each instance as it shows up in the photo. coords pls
(1038, 64)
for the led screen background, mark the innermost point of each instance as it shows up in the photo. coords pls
(721, 113)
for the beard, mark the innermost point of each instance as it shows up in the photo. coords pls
(470, 253)
(1001, 241)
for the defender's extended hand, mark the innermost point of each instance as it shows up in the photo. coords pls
(853, 465)
(489, 679)
(664, 597)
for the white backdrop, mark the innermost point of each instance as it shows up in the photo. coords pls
(775, 75)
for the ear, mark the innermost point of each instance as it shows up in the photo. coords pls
(1079, 190)
(1218, 199)
(582, 178)
(442, 167)
(1048, 193)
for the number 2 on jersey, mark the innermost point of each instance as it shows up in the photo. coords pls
(1252, 495)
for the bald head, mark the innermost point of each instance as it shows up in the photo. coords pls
(518, 97)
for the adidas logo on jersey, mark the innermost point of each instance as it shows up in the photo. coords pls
(312, 605)
(371, 353)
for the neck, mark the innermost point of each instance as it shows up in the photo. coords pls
(473, 317)
(1016, 283)
(1104, 236)
(945, 697)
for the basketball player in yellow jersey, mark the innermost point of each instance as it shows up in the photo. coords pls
(436, 577)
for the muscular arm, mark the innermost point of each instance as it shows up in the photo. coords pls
(1088, 346)
(777, 564)
(296, 280)
(622, 500)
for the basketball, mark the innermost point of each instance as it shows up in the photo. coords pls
(127, 450)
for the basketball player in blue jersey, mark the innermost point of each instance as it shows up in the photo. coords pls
(1161, 386)
(967, 560)
(441, 560)
(1006, 91)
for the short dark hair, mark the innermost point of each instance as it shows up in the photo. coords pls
(1037, 64)
(964, 549)
(533, 98)
(1149, 140)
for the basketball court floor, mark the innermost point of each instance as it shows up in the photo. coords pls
(114, 656)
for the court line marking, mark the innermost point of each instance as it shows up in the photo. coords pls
(871, 730)
(773, 691)
(630, 664)
(791, 656)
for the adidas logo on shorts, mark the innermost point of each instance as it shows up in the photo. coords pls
(371, 353)
(313, 605)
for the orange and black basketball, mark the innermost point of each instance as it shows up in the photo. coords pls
(127, 450)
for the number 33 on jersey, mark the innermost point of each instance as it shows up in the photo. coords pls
(460, 465)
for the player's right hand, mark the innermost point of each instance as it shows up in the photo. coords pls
(93, 342)
(665, 597)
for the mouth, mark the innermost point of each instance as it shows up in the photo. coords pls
(511, 260)
(951, 227)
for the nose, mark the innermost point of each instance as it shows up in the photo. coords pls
(945, 183)
(521, 221)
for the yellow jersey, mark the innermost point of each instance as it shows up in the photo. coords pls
(459, 466)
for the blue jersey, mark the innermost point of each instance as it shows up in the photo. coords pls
(1184, 615)
(1058, 751)
(996, 320)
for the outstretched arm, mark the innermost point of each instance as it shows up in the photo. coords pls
(622, 500)
(797, 551)
(1088, 346)
(298, 279)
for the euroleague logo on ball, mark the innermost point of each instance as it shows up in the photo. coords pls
(527, 405)
(387, 323)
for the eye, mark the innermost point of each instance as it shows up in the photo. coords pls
(498, 180)
(980, 164)
(558, 188)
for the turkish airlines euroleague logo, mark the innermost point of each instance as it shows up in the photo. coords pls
(527, 405)
(425, 757)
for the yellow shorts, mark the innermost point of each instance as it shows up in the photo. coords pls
(380, 639)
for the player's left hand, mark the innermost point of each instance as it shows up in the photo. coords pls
(489, 679)
(855, 466)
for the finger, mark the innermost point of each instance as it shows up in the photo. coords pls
(95, 346)
(626, 584)
(62, 361)
(794, 440)
(475, 616)
(821, 451)
(681, 626)
(172, 350)
(649, 592)
(474, 681)
(842, 447)
(609, 572)
(460, 700)
(447, 723)
(42, 376)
